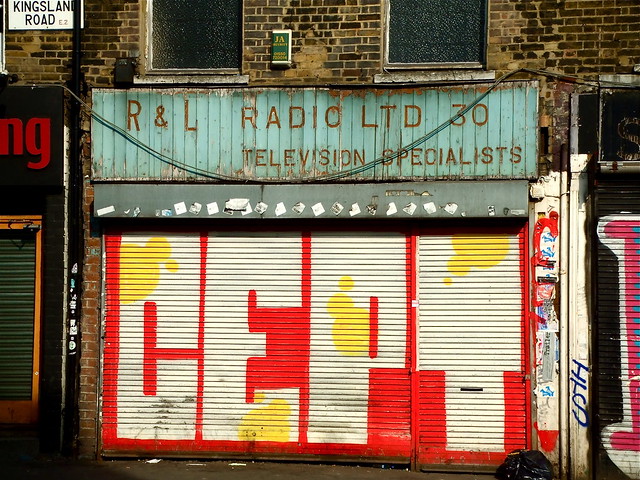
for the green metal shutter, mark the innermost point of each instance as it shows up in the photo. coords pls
(17, 298)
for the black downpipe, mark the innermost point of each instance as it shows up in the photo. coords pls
(75, 245)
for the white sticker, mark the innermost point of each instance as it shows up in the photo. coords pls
(195, 208)
(410, 209)
(318, 209)
(180, 208)
(280, 209)
(299, 207)
(392, 209)
(355, 210)
(261, 207)
(212, 208)
(430, 208)
(517, 212)
(491, 210)
(451, 208)
(247, 210)
(336, 208)
(236, 204)
(106, 210)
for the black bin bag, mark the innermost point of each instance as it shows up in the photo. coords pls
(525, 465)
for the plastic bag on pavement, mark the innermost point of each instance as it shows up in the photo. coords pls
(525, 465)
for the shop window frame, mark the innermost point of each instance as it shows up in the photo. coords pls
(391, 64)
(147, 39)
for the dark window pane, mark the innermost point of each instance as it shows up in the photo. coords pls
(437, 31)
(198, 34)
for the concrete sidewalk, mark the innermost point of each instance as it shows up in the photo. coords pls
(20, 460)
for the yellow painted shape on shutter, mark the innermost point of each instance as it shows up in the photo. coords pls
(140, 268)
(351, 324)
(476, 251)
(268, 424)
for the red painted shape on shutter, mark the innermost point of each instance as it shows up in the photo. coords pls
(287, 345)
(112, 339)
(389, 411)
(433, 410)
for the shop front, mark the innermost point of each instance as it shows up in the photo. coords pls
(31, 255)
(326, 297)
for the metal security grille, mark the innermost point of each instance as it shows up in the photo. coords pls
(277, 343)
(17, 300)
(616, 419)
(471, 347)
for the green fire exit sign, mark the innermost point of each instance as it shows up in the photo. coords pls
(281, 47)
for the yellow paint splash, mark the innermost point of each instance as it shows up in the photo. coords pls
(269, 424)
(484, 251)
(140, 268)
(351, 324)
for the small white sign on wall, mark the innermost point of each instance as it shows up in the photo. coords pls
(41, 14)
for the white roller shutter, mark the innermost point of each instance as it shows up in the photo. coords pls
(270, 342)
(471, 346)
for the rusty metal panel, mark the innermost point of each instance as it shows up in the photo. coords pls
(315, 134)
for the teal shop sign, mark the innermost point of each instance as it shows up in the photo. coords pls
(315, 134)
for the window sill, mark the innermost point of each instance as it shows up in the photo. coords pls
(192, 80)
(435, 76)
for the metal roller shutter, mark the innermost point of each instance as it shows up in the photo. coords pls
(277, 343)
(617, 331)
(473, 402)
(17, 300)
(19, 319)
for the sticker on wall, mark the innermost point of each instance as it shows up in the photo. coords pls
(392, 209)
(280, 209)
(410, 209)
(212, 208)
(247, 210)
(354, 210)
(430, 208)
(317, 209)
(261, 207)
(180, 208)
(236, 205)
(299, 207)
(337, 208)
(372, 209)
(451, 208)
(106, 210)
(195, 208)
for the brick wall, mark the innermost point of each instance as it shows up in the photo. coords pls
(582, 37)
(333, 41)
(341, 41)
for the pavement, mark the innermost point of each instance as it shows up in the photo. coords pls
(21, 460)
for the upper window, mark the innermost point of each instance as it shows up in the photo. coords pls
(195, 35)
(447, 33)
